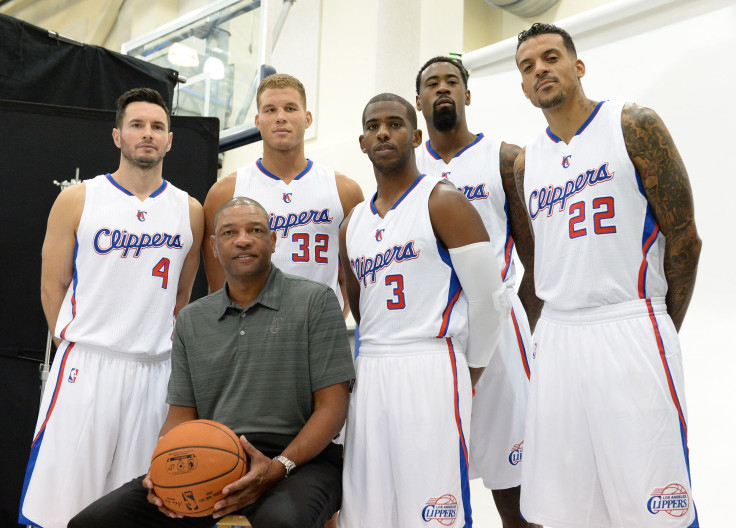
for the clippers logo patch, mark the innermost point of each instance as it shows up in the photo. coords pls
(287, 197)
(442, 509)
(141, 216)
(73, 375)
(379, 234)
(446, 175)
(566, 161)
(516, 453)
(673, 499)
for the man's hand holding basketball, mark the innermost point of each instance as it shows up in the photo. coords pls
(264, 473)
(156, 500)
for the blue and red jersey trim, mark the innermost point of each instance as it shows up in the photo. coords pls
(264, 170)
(582, 127)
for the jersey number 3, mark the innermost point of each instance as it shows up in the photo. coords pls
(398, 302)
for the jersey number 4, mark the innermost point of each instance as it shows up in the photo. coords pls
(161, 269)
(321, 242)
(604, 211)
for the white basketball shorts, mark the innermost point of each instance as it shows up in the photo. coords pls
(606, 437)
(499, 406)
(405, 449)
(98, 425)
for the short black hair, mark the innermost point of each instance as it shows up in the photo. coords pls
(546, 29)
(455, 62)
(411, 114)
(242, 201)
(146, 95)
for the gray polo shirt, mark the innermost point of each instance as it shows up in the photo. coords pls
(255, 369)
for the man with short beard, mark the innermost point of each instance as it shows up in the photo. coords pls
(118, 262)
(617, 249)
(482, 169)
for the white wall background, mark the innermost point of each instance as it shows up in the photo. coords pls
(675, 56)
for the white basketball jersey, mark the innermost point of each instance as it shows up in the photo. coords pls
(305, 214)
(408, 289)
(475, 172)
(596, 240)
(127, 263)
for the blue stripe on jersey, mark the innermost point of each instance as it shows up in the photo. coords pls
(259, 164)
(507, 251)
(75, 281)
(452, 294)
(155, 193)
(116, 184)
(436, 156)
(582, 127)
(466, 147)
(411, 188)
(160, 189)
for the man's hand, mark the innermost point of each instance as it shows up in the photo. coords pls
(156, 500)
(264, 474)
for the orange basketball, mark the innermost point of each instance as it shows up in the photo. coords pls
(193, 462)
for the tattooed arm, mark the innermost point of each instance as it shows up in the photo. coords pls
(521, 232)
(667, 189)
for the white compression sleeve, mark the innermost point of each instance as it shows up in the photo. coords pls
(488, 302)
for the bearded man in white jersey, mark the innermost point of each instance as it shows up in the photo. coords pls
(482, 168)
(424, 285)
(616, 255)
(305, 200)
(118, 262)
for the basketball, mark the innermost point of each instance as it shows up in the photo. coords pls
(193, 462)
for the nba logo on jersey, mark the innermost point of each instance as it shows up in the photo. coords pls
(72, 375)
(141, 216)
(672, 499)
(287, 197)
(443, 510)
(516, 453)
(379, 234)
(566, 161)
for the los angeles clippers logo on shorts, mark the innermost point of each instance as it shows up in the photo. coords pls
(673, 499)
(442, 509)
(287, 197)
(566, 161)
(379, 234)
(73, 375)
(141, 216)
(516, 453)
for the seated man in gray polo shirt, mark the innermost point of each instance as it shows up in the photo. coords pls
(268, 356)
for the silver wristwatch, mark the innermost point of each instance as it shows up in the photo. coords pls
(288, 464)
